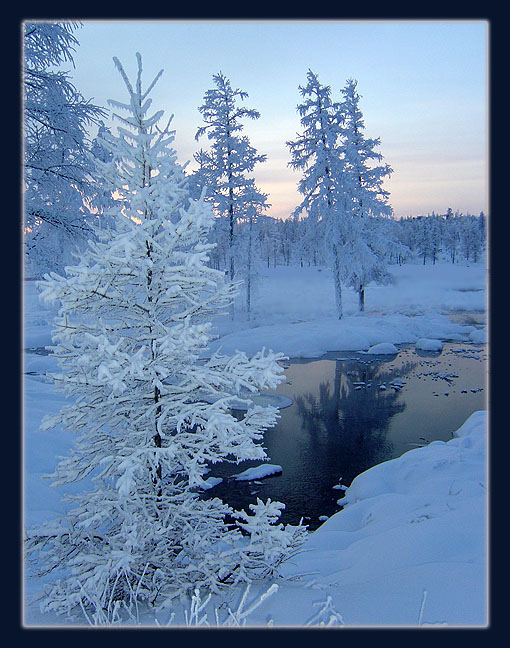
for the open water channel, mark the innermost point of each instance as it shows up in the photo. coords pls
(351, 411)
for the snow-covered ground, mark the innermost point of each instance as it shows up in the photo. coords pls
(413, 528)
(294, 310)
(410, 546)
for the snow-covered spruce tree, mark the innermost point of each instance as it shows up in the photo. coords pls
(268, 239)
(149, 415)
(225, 167)
(364, 195)
(57, 167)
(435, 236)
(315, 152)
(391, 230)
(482, 230)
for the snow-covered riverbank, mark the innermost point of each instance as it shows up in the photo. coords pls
(408, 550)
(294, 310)
(410, 546)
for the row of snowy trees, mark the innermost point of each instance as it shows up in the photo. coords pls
(341, 187)
(457, 238)
(342, 220)
(341, 190)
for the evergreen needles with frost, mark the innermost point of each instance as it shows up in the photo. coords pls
(149, 415)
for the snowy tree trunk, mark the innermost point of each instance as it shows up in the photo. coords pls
(157, 475)
(248, 278)
(338, 285)
(231, 239)
(231, 243)
(361, 298)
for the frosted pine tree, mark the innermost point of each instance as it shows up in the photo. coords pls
(471, 238)
(150, 416)
(315, 152)
(364, 196)
(423, 233)
(219, 233)
(436, 235)
(225, 168)
(342, 188)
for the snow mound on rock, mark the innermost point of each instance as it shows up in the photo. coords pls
(478, 336)
(258, 472)
(427, 344)
(384, 348)
(276, 400)
(211, 482)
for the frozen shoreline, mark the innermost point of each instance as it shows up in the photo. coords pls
(294, 313)
(410, 546)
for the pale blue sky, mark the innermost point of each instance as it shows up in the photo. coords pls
(423, 87)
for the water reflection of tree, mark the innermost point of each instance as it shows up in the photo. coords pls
(349, 426)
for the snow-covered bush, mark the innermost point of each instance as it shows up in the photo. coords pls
(149, 415)
(269, 544)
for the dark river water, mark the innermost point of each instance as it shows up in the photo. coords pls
(351, 411)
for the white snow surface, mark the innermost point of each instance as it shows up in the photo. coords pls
(210, 482)
(258, 472)
(411, 525)
(426, 344)
(294, 311)
(478, 336)
(410, 546)
(384, 348)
